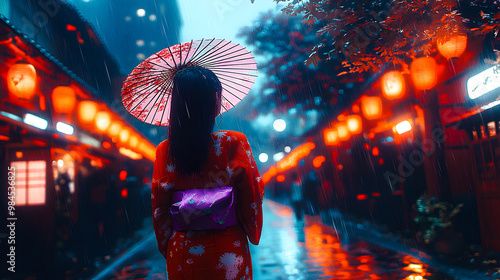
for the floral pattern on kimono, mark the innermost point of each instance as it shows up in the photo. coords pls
(231, 163)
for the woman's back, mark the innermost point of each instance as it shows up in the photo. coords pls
(194, 253)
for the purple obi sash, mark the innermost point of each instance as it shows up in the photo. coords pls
(202, 209)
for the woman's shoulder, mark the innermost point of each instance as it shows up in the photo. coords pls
(162, 144)
(231, 133)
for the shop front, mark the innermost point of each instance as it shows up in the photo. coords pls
(481, 123)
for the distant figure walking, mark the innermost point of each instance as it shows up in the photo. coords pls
(296, 196)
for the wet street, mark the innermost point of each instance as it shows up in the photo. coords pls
(292, 250)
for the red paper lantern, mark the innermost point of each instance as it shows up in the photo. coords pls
(453, 46)
(123, 175)
(424, 73)
(102, 120)
(354, 124)
(63, 99)
(318, 161)
(280, 178)
(343, 132)
(330, 136)
(134, 141)
(124, 193)
(21, 80)
(393, 85)
(87, 111)
(115, 128)
(371, 106)
(124, 134)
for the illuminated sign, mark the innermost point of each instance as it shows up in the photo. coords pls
(484, 82)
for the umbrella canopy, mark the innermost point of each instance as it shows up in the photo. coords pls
(146, 91)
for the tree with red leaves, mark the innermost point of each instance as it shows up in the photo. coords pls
(369, 34)
(286, 42)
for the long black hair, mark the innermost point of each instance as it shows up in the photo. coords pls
(196, 101)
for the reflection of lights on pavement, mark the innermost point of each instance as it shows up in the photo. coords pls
(141, 56)
(139, 43)
(263, 157)
(60, 162)
(278, 156)
(141, 12)
(288, 149)
(152, 17)
(416, 267)
(279, 125)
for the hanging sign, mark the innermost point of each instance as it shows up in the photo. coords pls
(484, 82)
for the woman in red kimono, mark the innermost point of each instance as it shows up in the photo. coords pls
(195, 158)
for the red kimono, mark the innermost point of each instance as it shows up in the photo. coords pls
(210, 254)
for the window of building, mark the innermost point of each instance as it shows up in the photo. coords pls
(30, 182)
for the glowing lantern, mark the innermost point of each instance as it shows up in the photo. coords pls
(114, 129)
(87, 111)
(361, 197)
(393, 85)
(21, 80)
(371, 106)
(102, 120)
(280, 178)
(424, 73)
(63, 99)
(343, 132)
(318, 161)
(106, 145)
(403, 127)
(143, 145)
(124, 135)
(453, 46)
(331, 136)
(354, 124)
(124, 193)
(123, 175)
(375, 151)
(134, 141)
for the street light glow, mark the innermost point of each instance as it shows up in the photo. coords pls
(279, 125)
(278, 156)
(141, 12)
(288, 149)
(263, 157)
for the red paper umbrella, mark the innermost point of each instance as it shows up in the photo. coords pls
(146, 91)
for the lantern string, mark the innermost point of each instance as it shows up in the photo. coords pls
(453, 66)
